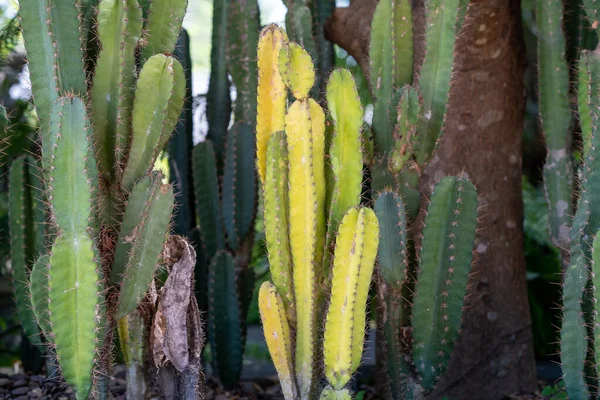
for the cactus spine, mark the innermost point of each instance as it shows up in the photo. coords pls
(225, 183)
(299, 219)
(98, 206)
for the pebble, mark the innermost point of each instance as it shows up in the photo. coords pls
(37, 378)
(20, 391)
(4, 382)
(18, 377)
(36, 393)
(19, 383)
(22, 398)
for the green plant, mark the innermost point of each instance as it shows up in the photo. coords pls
(309, 205)
(109, 213)
(425, 271)
(226, 185)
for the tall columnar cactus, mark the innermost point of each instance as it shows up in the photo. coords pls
(109, 213)
(304, 216)
(555, 117)
(580, 324)
(225, 183)
(27, 237)
(391, 57)
(444, 263)
(408, 118)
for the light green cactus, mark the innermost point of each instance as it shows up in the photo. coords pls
(110, 214)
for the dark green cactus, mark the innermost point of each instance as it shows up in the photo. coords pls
(444, 263)
(218, 98)
(225, 321)
(225, 182)
(555, 118)
(180, 147)
(575, 338)
(408, 117)
(22, 241)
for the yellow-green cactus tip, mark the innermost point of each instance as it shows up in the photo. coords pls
(296, 69)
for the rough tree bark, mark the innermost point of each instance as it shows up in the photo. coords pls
(482, 138)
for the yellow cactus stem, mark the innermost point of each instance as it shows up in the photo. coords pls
(305, 130)
(278, 337)
(355, 252)
(271, 97)
(296, 69)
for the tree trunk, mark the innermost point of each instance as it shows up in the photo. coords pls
(482, 138)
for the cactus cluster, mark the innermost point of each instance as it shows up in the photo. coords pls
(109, 214)
(309, 205)
(423, 273)
(225, 184)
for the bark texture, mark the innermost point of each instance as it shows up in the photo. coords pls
(483, 139)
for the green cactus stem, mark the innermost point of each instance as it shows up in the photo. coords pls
(434, 80)
(224, 319)
(38, 288)
(555, 117)
(51, 34)
(74, 278)
(22, 244)
(164, 19)
(445, 262)
(239, 184)
(119, 30)
(393, 269)
(242, 42)
(208, 206)
(218, 97)
(155, 113)
(145, 241)
(180, 147)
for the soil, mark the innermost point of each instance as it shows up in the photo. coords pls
(25, 387)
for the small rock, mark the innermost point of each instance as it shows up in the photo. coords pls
(221, 397)
(247, 388)
(33, 385)
(36, 393)
(4, 391)
(4, 382)
(19, 383)
(20, 391)
(37, 378)
(18, 377)
(22, 398)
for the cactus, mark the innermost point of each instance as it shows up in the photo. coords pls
(303, 217)
(180, 147)
(555, 116)
(109, 214)
(225, 183)
(574, 341)
(74, 276)
(23, 246)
